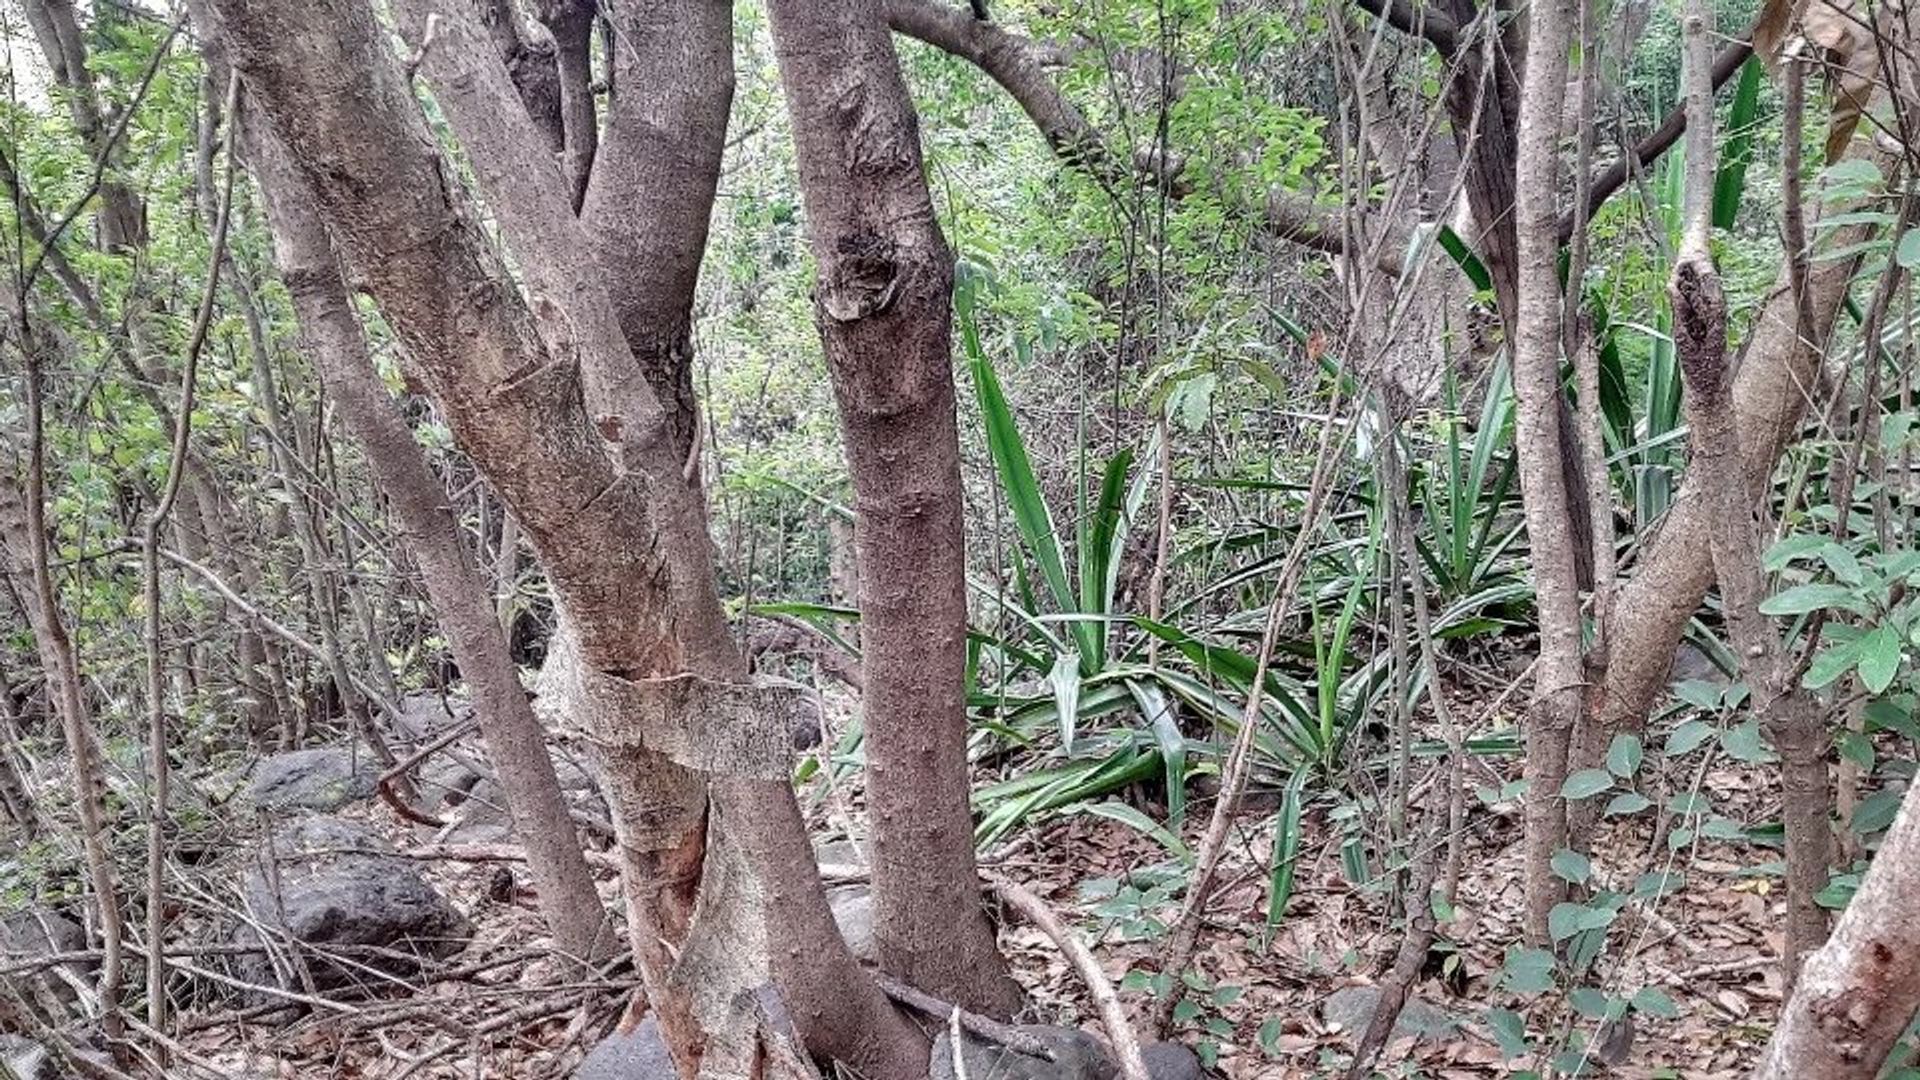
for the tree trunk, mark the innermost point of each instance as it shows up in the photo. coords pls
(883, 305)
(1856, 994)
(542, 391)
(1551, 531)
(334, 344)
(1793, 722)
(23, 538)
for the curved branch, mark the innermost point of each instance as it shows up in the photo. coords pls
(1022, 66)
(1614, 176)
(1435, 28)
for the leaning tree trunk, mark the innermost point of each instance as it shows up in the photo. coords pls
(334, 344)
(1857, 993)
(883, 305)
(542, 391)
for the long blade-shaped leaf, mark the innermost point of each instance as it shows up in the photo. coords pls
(1015, 469)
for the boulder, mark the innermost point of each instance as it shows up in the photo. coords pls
(852, 908)
(30, 935)
(1171, 1061)
(1351, 1009)
(636, 1055)
(342, 886)
(22, 1058)
(325, 778)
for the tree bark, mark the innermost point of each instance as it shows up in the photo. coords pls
(883, 306)
(334, 344)
(1559, 677)
(23, 539)
(543, 393)
(1856, 994)
(571, 24)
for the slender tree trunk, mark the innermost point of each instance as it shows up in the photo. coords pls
(883, 305)
(1559, 676)
(23, 534)
(333, 342)
(1792, 720)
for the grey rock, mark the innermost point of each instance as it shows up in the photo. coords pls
(1077, 1055)
(425, 715)
(22, 1058)
(326, 778)
(35, 933)
(342, 886)
(638, 1055)
(852, 908)
(1692, 664)
(1350, 1010)
(1171, 1061)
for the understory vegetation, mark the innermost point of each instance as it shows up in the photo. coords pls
(783, 538)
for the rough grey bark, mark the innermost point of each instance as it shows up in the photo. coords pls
(334, 343)
(1551, 525)
(1856, 994)
(543, 393)
(883, 306)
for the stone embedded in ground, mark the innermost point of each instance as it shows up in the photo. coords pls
(1171, 1061)
(852, 907)
(1351, 1009)
(342, 886)
(637, 1055)
(31, 935)
(325, 778)
(1077, 1055)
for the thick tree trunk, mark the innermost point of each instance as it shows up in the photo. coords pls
(883, 305)
(1551, 528)
(544, 394)
(647, 208)
(1856, 994)
(334, 344)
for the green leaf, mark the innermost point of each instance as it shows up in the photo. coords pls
(1566, 920)
(1625, 755)
(1815, 596)
(1628, 802)
(1907, 251)
(1797, 546)
(1588, 1002)
(1572, 866)
(1286, 852)
(1654, 1002)
(1688, 737)
(1586, 783)
(1876, 812)
(1065, 679)
(1509, 1031)
(1831, 663)
(1744, 743)
(1856, 748)
(1879, 658)
(1527, 971)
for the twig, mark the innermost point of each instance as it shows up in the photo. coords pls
(973, 1023)
(1126, 1044)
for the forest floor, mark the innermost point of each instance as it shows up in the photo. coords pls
(1711, 945)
